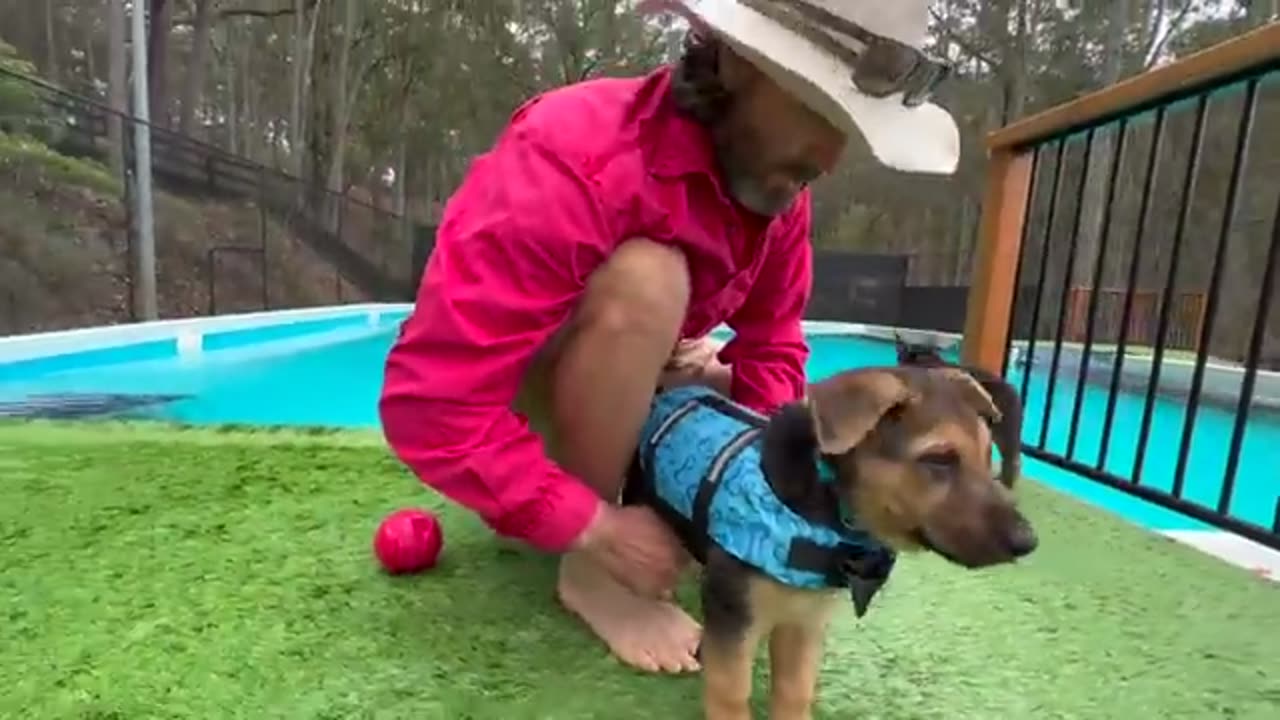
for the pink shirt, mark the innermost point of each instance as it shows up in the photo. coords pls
(577, 171)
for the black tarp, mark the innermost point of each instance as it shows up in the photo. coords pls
(857, 287)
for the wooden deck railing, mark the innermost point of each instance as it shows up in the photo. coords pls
(1225, 170)
(1009, 174)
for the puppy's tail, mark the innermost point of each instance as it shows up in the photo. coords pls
(903, 349)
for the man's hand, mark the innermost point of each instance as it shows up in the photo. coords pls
(635, 547)
(694, 362)
(692, 355)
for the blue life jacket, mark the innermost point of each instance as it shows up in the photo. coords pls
(699, 467)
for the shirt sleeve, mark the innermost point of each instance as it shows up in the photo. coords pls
(768, 351)
(513, 251)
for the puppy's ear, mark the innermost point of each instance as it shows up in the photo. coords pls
(848, 406)
(789, 459)
(973, 392)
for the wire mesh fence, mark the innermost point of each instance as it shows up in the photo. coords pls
(230, 235)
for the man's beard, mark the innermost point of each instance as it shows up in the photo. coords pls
(743, 184)
(753, 196)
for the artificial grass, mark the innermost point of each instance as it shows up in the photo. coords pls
(148, 572)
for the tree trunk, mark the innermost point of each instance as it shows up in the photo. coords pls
(90, 57)
(315, 105)
(297, 66)
(309, 76)
(158, 60)
(400, 203)
(1016, 66)
(319, 122)
(1101, 155)
(193, 91)
(342, 101)
(51, 40)
(233, 104)
(249, 131)
(117, 84)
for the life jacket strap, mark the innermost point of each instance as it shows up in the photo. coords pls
(864, 569)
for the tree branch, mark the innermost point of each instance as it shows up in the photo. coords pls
(255, 12)
(965, 46)
(260, 13)
(1175, 24)
(1155, 18)
(589, 67)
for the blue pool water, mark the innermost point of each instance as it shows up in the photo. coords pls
(1257, 486)
(1257, 483)
(330, 379)
(333, 378)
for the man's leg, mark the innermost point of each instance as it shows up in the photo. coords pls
(594, 384)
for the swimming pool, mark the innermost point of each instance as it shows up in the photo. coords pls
(314, 371)
(326, 370)
(328, 373)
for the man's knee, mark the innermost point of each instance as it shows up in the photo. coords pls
(643, 288)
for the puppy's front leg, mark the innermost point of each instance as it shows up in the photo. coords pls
(729, 639)
(726, 673)
(795, 656)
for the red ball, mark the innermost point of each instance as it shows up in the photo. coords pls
(408, 541)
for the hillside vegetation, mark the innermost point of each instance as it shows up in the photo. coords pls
(65, 248)
(65, 241)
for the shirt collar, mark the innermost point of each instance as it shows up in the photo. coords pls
(677, 145)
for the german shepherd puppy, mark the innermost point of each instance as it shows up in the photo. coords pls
(790, 513)
(1007, 433)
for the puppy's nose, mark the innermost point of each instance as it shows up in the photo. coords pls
(1022, 540)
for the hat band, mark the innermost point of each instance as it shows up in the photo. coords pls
(882, 67)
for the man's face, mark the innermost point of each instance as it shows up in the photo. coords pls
(770, 145)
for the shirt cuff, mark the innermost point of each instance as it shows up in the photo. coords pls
(555, 520)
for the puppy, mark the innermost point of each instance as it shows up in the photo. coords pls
(1007, 432)
(789, 513)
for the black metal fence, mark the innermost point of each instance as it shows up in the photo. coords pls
(234, 235)
(230, 234)
(847, 287)
(1146, 317)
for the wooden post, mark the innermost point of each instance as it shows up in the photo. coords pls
(992, 294)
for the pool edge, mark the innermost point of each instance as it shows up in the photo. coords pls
(124, 342)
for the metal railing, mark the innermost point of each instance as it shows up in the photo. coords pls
(1160, 195)
(317, 246)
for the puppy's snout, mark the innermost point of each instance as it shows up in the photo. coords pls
(1022, 540)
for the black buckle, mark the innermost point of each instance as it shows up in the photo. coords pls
(865, 571)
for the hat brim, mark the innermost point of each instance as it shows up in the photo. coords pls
(922, 139)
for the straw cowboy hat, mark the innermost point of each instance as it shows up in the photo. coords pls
(859, 63)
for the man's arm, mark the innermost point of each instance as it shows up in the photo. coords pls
(512, 256)
(768, 351)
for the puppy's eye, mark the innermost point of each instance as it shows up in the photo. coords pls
(941, 459)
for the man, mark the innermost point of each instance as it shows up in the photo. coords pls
(615, 220)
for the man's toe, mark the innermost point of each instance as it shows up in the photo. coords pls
(645, 662)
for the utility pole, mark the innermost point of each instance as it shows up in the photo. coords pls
(146, 270)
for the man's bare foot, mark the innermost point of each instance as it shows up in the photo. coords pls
(647, 634)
